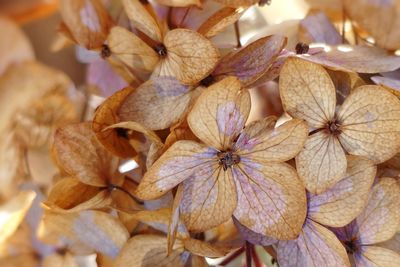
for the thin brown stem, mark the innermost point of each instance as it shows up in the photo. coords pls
(184, 17)
(237, 33)
(232, 257)
(249, 257)
(256, 259)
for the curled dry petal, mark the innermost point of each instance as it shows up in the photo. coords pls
(261, 143)
(175, 219)
(219, 21)
(131, 50)
(252, 61)
(150, 250)
(370, 123)
(157, 104)
(377, 256)
(321, 163)
(203, 249)
(209, 197)
(84, 231)
(316, 246)
(190, 56)
(271, 199)
(342, 203)
(307, 92)
(87, 21)
(142, 19)
(220, 113)
(80, 155)
(182, 160)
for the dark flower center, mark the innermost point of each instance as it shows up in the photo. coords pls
(334, 127)
(161, 50)
(121, 132)
(105, 51)
(302, 48)
(351, 246)
(207, 81)
(264, 2)
(227, 159)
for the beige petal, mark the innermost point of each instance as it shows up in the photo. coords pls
(271, 199)
(252, 61)
(393, 85)
(24, 260)
(190, 56)
(220, 113)
(87, 20)
(209, 198)
(219, 21)
(373, 256)
(321, 163)
(179, 3)
(115, 141)
(393, 243)
(237, 3)
(142, 19)
(263, 144)
(80, 155)
(157, 104)
(175, 219)
(379, 220)
(316, 246)
(202, 248)
(13, 212)
(58, 260)
(343, 202)
(131, 50)
(182, 160)
(84, 231)
(370, 123)
(150, 250)
(307, 92)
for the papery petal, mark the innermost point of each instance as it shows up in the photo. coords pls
(220, 113)
(209, 198)
(253, 237)
(203, 249)
(190, 56)
(316, 246)
(150, 250)
(262, 144)
(237, 3)
(307, 92)
(380, 219)
(372, 256)
(271, 199)
(142, 19)
(393, 85)
(252, 61)
(175, 219)
(370, 123)
(84, 231)
(219, 21)
(179, 3)
(392, 244)
(340, 204)
(158, 103)
(178, 163)
(58, 260)
(131, 50)
(321, 163)
(80, 155)
(87, 20)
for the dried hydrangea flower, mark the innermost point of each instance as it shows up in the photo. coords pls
(367, 124)
(238, 171)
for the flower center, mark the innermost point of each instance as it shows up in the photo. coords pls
(161, 50)
(264, 2)
(333, 127)
(207, 81)
(302, 48)
(227, 159)
(121, 132)
(351, 246)
(105, 51)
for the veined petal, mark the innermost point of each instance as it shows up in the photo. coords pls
(220, 113)
(237, 3)
(253, 237)
(343, 202)
(307, 92)
(321, 163)
(271, 199)
(209, 198)
(316, 246)
(179, 162)
(131, 50)
(373, 256)
(190, 56)
(261, 143)
(370, 123)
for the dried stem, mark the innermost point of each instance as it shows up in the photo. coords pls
(237, 33)
(249, 248)
(256, 259)
(233, 256)
(184, 17)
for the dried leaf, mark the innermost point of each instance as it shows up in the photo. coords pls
(345, 200)
(131, 50)
(87, 20)
(84, 231)
(271, 199)
(80, 155)
(157, 104)
(220, 113)
(252, 61)
(307, 92)
(190, 56)
(142, 19)
(219, 21)
(370, 123)
(316, 246)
